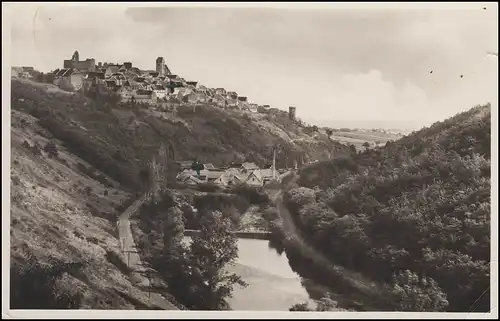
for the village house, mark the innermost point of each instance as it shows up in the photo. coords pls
(206, 176)
(111, 69)
(232, 95)
(209, 167)
(126, 66)
(220, 91)
(219, 101)
(68, 79)
(255, 178)
(29, 70)
(146, 96)
(231, 103)
(134, 71)
(242, 103)
(16, 71)
(263, 109)
(249, 166)
(98, 75)
(125, 93)
(227, 178)
(23, 72)
(111, 83)
(190, 179)
(252, 108)
(160, 91)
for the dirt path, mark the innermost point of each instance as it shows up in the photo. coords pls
(132, 256)
(292, 233)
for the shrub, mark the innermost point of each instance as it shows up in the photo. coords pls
(208, 187)
(418, 294)
(300, 307)
(33, 285)
(87, 190)
(15, 180)
(51, 149)
(117, 261)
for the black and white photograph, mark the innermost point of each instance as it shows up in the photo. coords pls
(270, 159)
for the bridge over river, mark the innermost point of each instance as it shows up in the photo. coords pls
(257, 235)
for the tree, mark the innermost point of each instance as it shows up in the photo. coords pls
(172, 263)
(366, 145)
(326, 303)
(329, 132)
(51, 149)
(33, 285)
(211, 251)
(197, 166)
(300, 307)
(418, 294)
(173, 230)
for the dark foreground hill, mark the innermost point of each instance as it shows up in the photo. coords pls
(410, 213)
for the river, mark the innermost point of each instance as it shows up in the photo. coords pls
(272, 285)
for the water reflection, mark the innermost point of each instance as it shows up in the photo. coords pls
(272, 285)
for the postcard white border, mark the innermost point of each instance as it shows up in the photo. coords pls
(94, 314)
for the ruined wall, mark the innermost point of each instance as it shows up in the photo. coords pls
(87, 65)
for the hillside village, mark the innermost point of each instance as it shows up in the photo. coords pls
(162, 90)
(157, 87)
(235, 174)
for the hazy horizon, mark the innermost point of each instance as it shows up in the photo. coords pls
(335, 65)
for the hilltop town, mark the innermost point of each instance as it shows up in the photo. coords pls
(161, 90)
(160, 87)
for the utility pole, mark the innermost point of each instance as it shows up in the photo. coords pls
(148, 275)
(274, 164)
(128, 257)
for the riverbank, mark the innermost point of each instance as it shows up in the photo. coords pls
(351, 290)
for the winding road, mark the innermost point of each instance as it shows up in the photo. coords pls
(127, 246)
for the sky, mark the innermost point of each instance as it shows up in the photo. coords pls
(336, 65)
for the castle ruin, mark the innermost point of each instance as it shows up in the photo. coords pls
(82, 65)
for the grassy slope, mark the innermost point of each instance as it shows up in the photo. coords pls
(53, 216)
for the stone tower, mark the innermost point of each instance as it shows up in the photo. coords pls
(160, 66)
(76, 56)
(291, 112)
